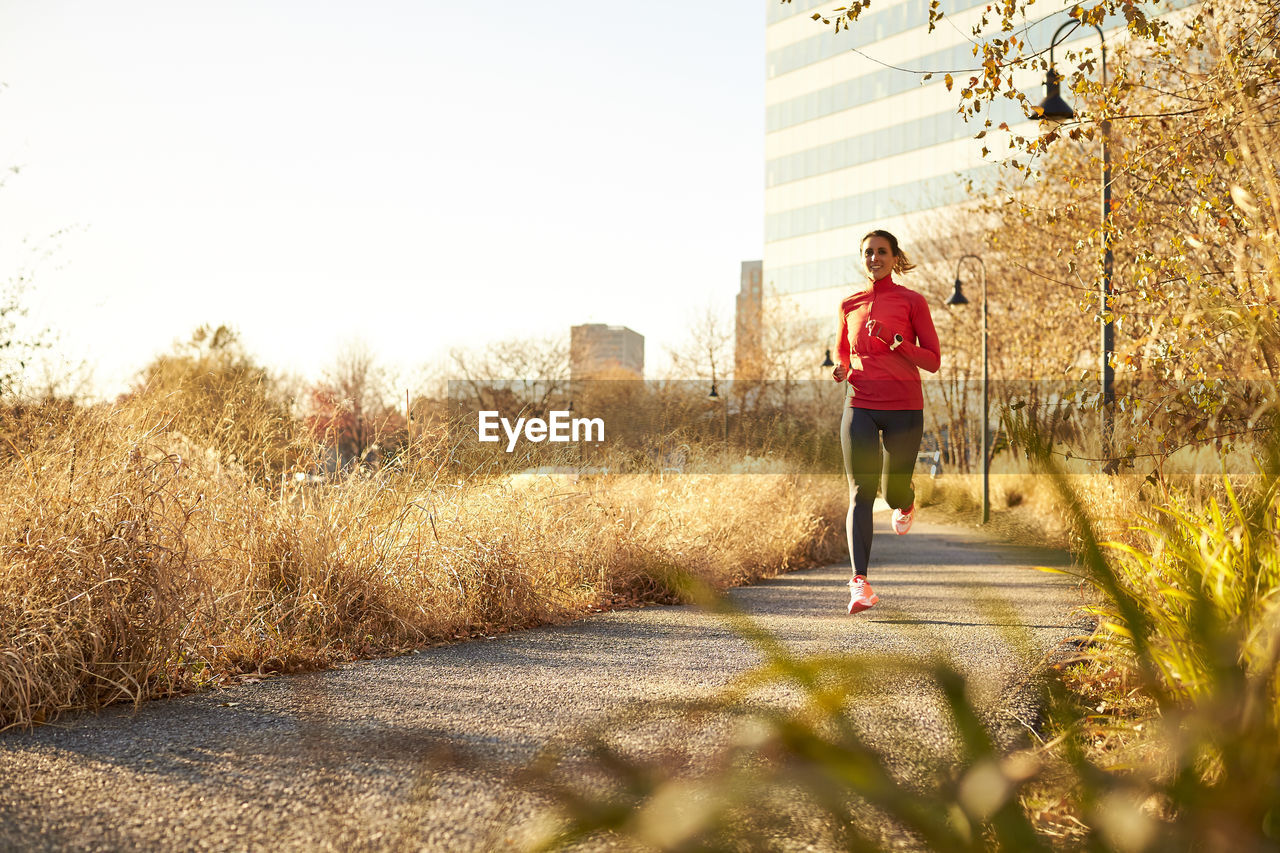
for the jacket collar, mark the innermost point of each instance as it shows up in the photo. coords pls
(881, 285)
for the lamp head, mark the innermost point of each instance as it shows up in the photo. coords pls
(957, 297)
(1053, 107)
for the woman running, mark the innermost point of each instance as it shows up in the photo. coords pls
(886, 338)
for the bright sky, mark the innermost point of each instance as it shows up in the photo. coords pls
(418, 175)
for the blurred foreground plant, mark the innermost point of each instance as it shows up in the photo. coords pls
(1196, 623)
(1194, 626)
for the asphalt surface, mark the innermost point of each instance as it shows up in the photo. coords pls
(422, 752)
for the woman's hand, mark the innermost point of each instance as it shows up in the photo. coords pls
(840, 374)
(878, 331)
(881, 333)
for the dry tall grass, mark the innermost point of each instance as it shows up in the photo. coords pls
(1025, 503)
(138, 563)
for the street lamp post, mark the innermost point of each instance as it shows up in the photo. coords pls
(724, 407)
(958, 298)
(1054, 108)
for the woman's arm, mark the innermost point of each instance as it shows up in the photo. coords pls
(843, 354)
(924, 352)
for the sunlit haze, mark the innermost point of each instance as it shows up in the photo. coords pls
(416, 175)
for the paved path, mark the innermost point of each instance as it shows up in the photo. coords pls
(367, 757)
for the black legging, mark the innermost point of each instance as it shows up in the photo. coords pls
(860, 435)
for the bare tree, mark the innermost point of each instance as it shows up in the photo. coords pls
(708, 349)
(519, 374)
(353, 400)
(356, 375)
(57, 378)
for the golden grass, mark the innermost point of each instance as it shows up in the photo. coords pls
(136, 563)
(1026, 507)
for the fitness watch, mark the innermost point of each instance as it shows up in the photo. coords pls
(897, 342)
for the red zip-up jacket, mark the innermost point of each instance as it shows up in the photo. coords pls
(881, 378)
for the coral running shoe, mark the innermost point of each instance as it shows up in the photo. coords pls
(861, 595)
(902, 519)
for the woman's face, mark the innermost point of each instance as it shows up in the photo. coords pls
(877, 254)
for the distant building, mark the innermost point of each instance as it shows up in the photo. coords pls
(598, 351)
(749, 324)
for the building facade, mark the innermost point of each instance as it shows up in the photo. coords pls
(599, 351)
(853, 144)
(857, 139)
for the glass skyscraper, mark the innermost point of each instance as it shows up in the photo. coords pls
(856, 139)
